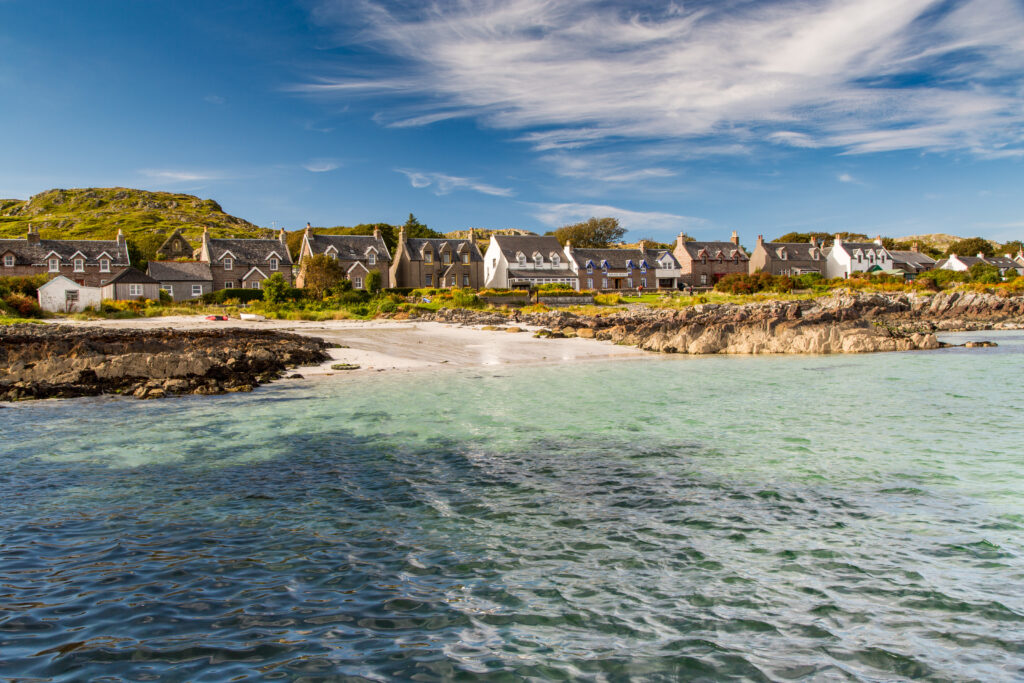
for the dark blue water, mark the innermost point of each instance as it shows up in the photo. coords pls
(821, 518)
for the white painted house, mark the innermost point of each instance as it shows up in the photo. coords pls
(964, 263)
(525, 261)
(64, 295)
(846, 258)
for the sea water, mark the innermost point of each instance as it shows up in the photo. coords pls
(758, 518)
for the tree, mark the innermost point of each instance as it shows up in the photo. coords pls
(320, 273)
(972, 246)
(373, 281)
(822, 237)
(1012, 247)
(596, 233)
(275, 289)
(985, 274)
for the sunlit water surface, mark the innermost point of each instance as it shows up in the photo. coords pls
(769, 518)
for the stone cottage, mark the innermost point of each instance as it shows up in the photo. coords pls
(90, 263)
(245, 263)
(437, 262)
(702, 264)
(357, 254)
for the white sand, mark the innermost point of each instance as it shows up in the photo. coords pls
(379, 345)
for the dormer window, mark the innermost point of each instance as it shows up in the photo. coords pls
(555, 261)
(446, 258)
(428, 257)
(372, 259)
(104, 265)
(9, 260)
(229, 264)
(54, 264)
(538, 260)
(273, 264)
(465, 258)
(590, 269)
(79, 265)
(521, 258)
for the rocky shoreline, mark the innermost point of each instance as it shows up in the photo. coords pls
(849, 323)
(52, 361)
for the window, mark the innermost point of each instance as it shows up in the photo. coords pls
(333, 255)
(590, 269)
(555, 260)
(357, 283)
(428, 257)
(590, 283)
(229, 264)
(446, 258)
(197, 290)
(703, 278)
(629, 283)
(79, 265)
(71, 295)
(521, 258)
(453, 281)
(465, 279)
(229, 285)
(538, 260)
(465, 258)
(9, 261)
(104, 265)
(255, 284)
(134, 289)
(273, 264)
(604, 283)
(643, 282)
(430, 280)
(54, 265)
(372, 260)
(168, 288)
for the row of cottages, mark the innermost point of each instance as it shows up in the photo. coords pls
(90, 263)
(841, 260)
(1005, 263)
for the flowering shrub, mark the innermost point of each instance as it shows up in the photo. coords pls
(23, 305)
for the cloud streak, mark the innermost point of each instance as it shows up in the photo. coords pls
(180, 176)
(862, 77)
(442, 183)
(557, 215)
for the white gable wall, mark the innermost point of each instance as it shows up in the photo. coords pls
(53, 296)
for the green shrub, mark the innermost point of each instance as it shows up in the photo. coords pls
(374, 281)
(608, 299)
(22, 284)
(387, 306)
(984, 273)
(554, 286)
(165, 297)
(23, 305)
(275, 289)
(466, 298)
(237, 294)
(937, 279)
(401, 291)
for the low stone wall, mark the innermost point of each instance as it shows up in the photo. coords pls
(48, 361)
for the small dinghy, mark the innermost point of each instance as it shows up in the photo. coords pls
(251, 316)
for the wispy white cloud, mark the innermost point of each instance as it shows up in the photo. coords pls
(182, 176)
(443, 183)
(601, 167)
(215, 99)
(847, 178)
(863, 77)
(556, 215)
(321, 165)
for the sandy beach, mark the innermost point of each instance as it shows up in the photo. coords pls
(389, 345)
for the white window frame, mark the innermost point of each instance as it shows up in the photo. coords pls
(521, 259)
(590, 283)
(428, 257)
(273, 264)
(372, 259)
(590, 269)
(134, 289)
(465, 258)
(229, 264)
(168, 288)
(357, 283)
(538, 261)
(8, 261)
(446, 258)
(54, 265)
(555, 261)
(703, 278)
(79, 265)
(643, 282)
(230, 284)
(255, 284)
(195, 288)
(604, 283)
(104, 265)
(629, 283)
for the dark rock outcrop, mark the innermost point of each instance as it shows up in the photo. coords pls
(44, 361)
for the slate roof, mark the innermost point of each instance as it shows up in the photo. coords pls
(416, 245)
(180, 271)
(349, 247)
(915, 260)
(528, 244)
(27, 253)
(1002, 262)
(618, 259)
(726, 249)
(541, 274)
(795, 251)
(132, 275)
(850, 247)
(250, 251)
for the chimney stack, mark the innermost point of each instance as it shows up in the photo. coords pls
(33, 234)
(643, 246)
(121, 241)
(915, 247)
(568, 248)
(760, 240)
(281, 237)
(981, 255)
(376, 232)
(814, 241)
(878, 240)
(471, 236)
(735, 239)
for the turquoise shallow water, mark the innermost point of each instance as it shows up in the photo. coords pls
(789, 518)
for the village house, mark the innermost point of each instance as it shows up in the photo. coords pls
(245, 263)
(912, 262)
(357, 255)
(702, 264)
(787, 258)
(62, 295)
(437, 262)
(523, 261)
(964, 263)
(90, 263)
(624, 269)
(175, 247)
(1019, 258)
(183, 280)
(131, 284)
(845, 258)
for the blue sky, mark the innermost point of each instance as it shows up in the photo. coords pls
(872, 116)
